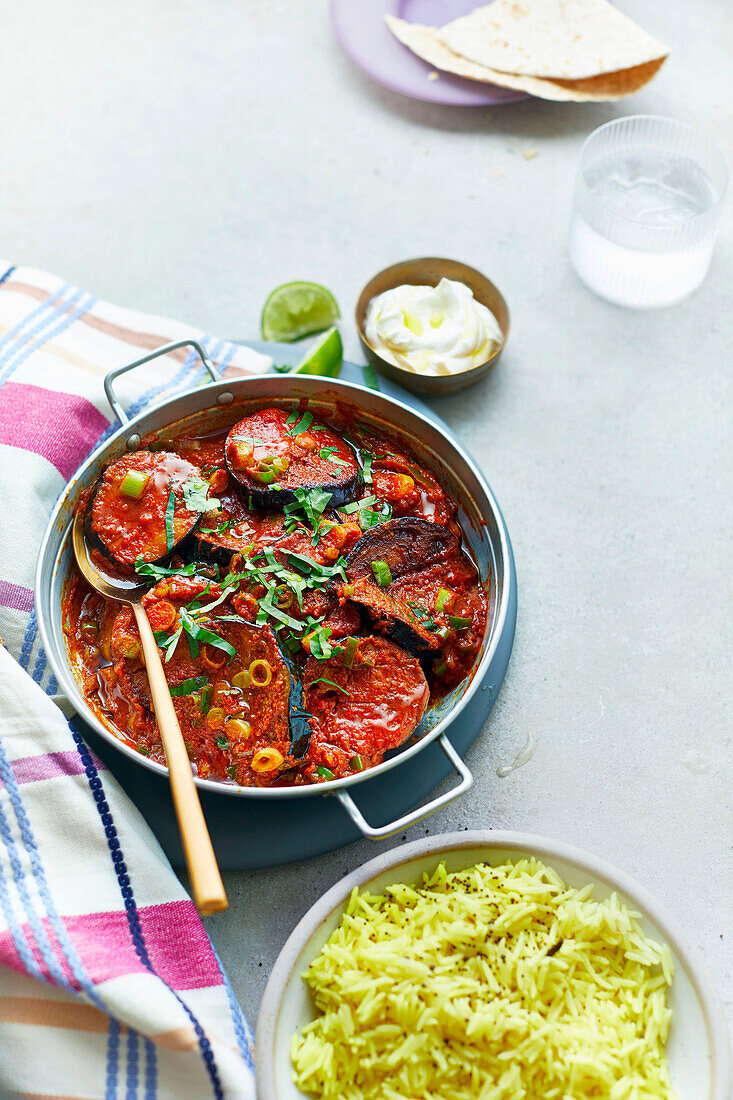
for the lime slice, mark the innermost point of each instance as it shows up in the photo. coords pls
(298, 309)
(325, 356)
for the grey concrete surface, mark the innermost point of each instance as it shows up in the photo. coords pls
(185, 158)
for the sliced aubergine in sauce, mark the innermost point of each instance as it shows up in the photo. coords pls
(143, 506)
(369, 704)
(274, 460)
(383, 555)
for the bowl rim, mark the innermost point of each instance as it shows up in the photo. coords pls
(528, 844)
(208, 396)
(364, 297)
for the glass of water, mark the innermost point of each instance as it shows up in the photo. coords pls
(647, 200)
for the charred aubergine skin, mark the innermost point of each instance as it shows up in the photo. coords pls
(406, 545)
(273, 459)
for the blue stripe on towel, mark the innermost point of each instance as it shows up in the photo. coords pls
(151, 1070)
(66, 322)
(40, 311)
(69, 952)
(133, 918)
(132, 1064)
(113, 1060)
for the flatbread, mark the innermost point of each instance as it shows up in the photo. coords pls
(569, 39)
(426, 43)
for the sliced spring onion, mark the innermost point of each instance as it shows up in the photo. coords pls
(206, 699)
(215, 718)
(265, 475)
(440, 668)
(348, 590)
(169, 510)
(242, 680)
(260, 673)
(238, 727)
(382, 573)
(187, 687)
(325, 772)
(445, 599)
(356, 763)
(133, 484)
(458, 622)
(267, 760)
(349, 651)
(232, 771)
(222, 742)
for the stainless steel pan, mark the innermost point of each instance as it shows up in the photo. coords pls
(222, 401)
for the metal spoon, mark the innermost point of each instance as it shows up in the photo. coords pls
(203, 871)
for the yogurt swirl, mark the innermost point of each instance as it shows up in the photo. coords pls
(431, 329)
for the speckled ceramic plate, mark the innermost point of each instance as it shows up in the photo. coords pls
(365, 37)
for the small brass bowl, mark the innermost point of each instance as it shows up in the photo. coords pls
(428, 272)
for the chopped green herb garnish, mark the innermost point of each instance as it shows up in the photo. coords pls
(187, 687)
(282, 368)
(222, 742)
(200, 635)
(366, 467)
(196, 498)
(168, 642)
(320, 645)
(330, 683)
(459, 622)
(356, 763)
(303, 424)
(158, 572)
(232, 771)
(311, 503)
(325, 772)
(326, 453)
(169, 510)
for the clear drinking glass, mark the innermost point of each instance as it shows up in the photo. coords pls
(647, 200)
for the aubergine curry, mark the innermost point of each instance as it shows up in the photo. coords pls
(309, 591)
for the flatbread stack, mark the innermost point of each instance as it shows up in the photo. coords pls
(556, 49)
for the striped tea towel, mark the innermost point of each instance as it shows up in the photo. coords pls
(109, 985)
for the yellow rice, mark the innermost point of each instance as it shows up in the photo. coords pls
(458, 990)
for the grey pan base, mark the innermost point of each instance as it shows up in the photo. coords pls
(266, 834)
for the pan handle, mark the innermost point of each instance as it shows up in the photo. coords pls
(113, 375)
(422, 811)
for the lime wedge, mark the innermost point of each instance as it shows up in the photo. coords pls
(325, 356)
(298, 309)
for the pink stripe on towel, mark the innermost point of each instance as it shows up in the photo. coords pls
(177, 945)
(60, 427)
(12, 595)
(34, 769)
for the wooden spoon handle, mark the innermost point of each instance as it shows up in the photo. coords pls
(208, 889)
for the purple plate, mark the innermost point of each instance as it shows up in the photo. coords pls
(365, 37)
